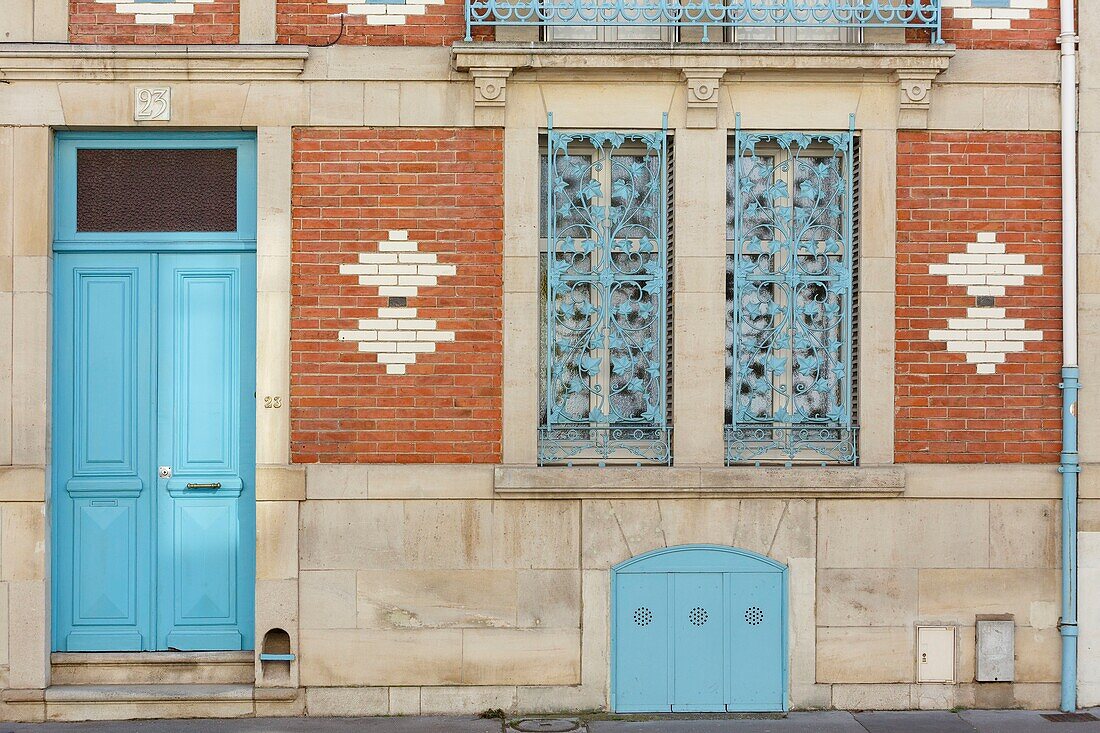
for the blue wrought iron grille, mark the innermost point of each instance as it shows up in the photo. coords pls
(605, 226)
(707, 14)
(790, 263)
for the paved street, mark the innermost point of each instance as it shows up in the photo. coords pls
(969, 721)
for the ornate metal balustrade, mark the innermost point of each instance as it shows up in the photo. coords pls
(707, 14)
(606, 319)
(791, 238)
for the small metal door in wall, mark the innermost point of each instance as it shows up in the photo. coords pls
(699, 629)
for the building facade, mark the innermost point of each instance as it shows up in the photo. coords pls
(406, 358)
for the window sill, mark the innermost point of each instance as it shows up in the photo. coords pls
(589, 482)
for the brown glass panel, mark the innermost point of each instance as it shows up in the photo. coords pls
(156, 190)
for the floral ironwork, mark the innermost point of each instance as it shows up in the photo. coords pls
(708, 14)
(606, 224)
(789, 298)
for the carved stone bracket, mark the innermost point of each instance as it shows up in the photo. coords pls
(702, 95)
(914, 96)
(490, 94)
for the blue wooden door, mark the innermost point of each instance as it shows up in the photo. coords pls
(154, 368)
(206, 317)
(698, 628)
(103, 460)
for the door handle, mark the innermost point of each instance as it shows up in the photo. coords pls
(214, 485)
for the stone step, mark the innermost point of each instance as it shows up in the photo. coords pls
(125, 702)
(152, 668)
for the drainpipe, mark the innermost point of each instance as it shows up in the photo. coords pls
(1070, 466)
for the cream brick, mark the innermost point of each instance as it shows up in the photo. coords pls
(867, 597)
(521, 656)
(548, 598)
(276, 539)
(347, 701)
(450, 534)
(436, 598)
(467, 700)
(405, 701)
(899, 533)
(328, 599)
(339, 657)
(863, 654)
(957, 596)
(24, 541)
(352, 534)
(556, 525)
(1024, 534)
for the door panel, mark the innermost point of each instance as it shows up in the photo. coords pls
(642, 642)
(756, 632)
(207, 419)
(103, 458)
(698, 631)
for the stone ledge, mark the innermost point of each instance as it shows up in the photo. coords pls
(671, 482)
(77, 62)
(741, 57)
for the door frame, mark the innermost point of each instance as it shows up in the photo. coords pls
(66, 238)
(673, 560)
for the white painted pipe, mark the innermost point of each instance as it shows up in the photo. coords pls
(1069, 465)
(1068, 41)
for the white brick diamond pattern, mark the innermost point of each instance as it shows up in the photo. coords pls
(386, 13)
(397, 269)
(994, 14)
(154, 13)
(985, 336)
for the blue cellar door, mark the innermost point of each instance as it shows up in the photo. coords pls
(757, 666)
(698, 628)
(206, 421)
(642, 638)
(103, 459)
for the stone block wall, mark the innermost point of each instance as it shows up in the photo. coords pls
(121, 22)
(887, 566)
(396, 287)
(978, 298)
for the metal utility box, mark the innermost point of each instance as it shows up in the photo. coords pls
(935, 654)
(996, 649)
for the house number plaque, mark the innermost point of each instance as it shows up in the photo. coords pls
(152, 104)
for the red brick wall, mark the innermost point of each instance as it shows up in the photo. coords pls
(92, 22)
(1039, 31)
(952, 186)
(351, 188)
(311, 22)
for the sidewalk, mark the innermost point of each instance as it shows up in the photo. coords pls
(969, 721)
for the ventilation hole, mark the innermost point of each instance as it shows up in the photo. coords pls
(643, 616)
(753, 616)
(698, 616)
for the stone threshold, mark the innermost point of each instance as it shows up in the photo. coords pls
(691, 482)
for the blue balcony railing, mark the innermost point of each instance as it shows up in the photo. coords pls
(706, 14)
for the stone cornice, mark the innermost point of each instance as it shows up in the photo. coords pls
(835, 59)
(70, 62)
